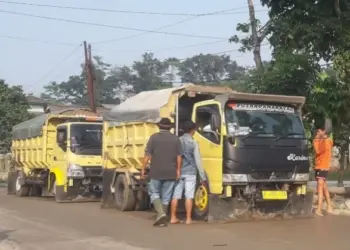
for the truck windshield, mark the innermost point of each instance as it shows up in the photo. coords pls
(260, 120)
(86, 139)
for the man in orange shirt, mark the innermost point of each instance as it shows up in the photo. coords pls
(323, 155)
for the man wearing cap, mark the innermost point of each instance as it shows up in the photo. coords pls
(164, 152)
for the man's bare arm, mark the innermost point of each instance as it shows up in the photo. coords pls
(146, 160)
(178, 165)
(147, 157)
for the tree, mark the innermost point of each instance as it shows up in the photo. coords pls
(286, 74)
(319, 28)
(208, 69)
(150, 73)
(253, 41)
(13, 110)
(74, 91)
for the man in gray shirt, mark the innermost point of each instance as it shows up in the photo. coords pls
(191, 165)
(164, 152)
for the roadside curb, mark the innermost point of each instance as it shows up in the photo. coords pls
(342, 212)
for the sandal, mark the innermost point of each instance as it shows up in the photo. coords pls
(317, 213)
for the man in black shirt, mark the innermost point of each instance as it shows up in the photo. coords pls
(164, 151)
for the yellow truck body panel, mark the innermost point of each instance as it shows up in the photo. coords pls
(124, 142)
(35, 147)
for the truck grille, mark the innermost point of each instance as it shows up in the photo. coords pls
(270, 175)
(93, 171)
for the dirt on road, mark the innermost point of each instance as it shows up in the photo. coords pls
(40, 223)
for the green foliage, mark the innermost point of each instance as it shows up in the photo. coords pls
(13, 110)
(210, 69)
(286, 74)
(115, 84)
(319, 28)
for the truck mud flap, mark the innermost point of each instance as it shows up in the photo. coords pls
(11, 183)
(107, 199)
(230, 210)
(68, 197)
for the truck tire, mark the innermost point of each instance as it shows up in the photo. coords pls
(124, 196)
(142, 200)
(36, 191)
(201, 202)
(21, 190)
(57, 193)
(11, 183)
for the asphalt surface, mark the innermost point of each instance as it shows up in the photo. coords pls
(40, 223)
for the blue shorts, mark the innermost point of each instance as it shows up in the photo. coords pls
(187, 183)
(161, 189)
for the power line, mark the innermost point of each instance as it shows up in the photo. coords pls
(59, 64)
(120, 11)
(38, 41)
(224, 52)
(163, 49)
(69, 66)
(116, 51)
(163, 27)
(106, 25)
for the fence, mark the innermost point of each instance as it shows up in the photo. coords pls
(5, 162)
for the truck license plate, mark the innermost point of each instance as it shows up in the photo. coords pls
(274, 195)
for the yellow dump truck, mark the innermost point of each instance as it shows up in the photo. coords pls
(253, 149)
(58, 154)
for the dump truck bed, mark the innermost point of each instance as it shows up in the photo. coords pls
(128, 126)
(33, 141)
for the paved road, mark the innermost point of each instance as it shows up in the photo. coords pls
(40, 223)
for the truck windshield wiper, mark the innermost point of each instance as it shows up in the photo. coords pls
(254, 133)
(287, 135)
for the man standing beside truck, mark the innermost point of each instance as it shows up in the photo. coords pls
(191, 164)
(323, 153)
(164, 152)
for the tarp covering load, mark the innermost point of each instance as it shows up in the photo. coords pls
(33, 127)
(146, 106)
(143, 107)
(30, 128)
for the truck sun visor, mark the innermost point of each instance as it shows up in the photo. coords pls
(262, 107)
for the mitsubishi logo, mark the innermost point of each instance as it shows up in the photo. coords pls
(273, 176)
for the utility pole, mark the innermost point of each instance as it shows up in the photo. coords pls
(90, 81)
(255, 36)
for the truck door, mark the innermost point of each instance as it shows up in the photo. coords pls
(59, 157)
(207, 116)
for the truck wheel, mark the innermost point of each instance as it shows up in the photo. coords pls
(142, 200)
(201, 202)
(124, 197)
(21, 190)
(36, 191)
(11, 183)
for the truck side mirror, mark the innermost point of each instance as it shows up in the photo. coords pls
(61, 138)
(215, 122)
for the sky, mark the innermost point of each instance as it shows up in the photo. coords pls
(36, 51)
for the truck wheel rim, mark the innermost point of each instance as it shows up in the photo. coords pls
(201, 198)
(18, 185)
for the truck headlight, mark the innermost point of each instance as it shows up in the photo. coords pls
(75, 171)
(235, 178)
(301, 177)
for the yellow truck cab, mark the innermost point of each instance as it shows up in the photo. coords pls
(58, 154)
(253, 149)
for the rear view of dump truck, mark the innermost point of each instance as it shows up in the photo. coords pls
(253, 149)
(58, 154)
